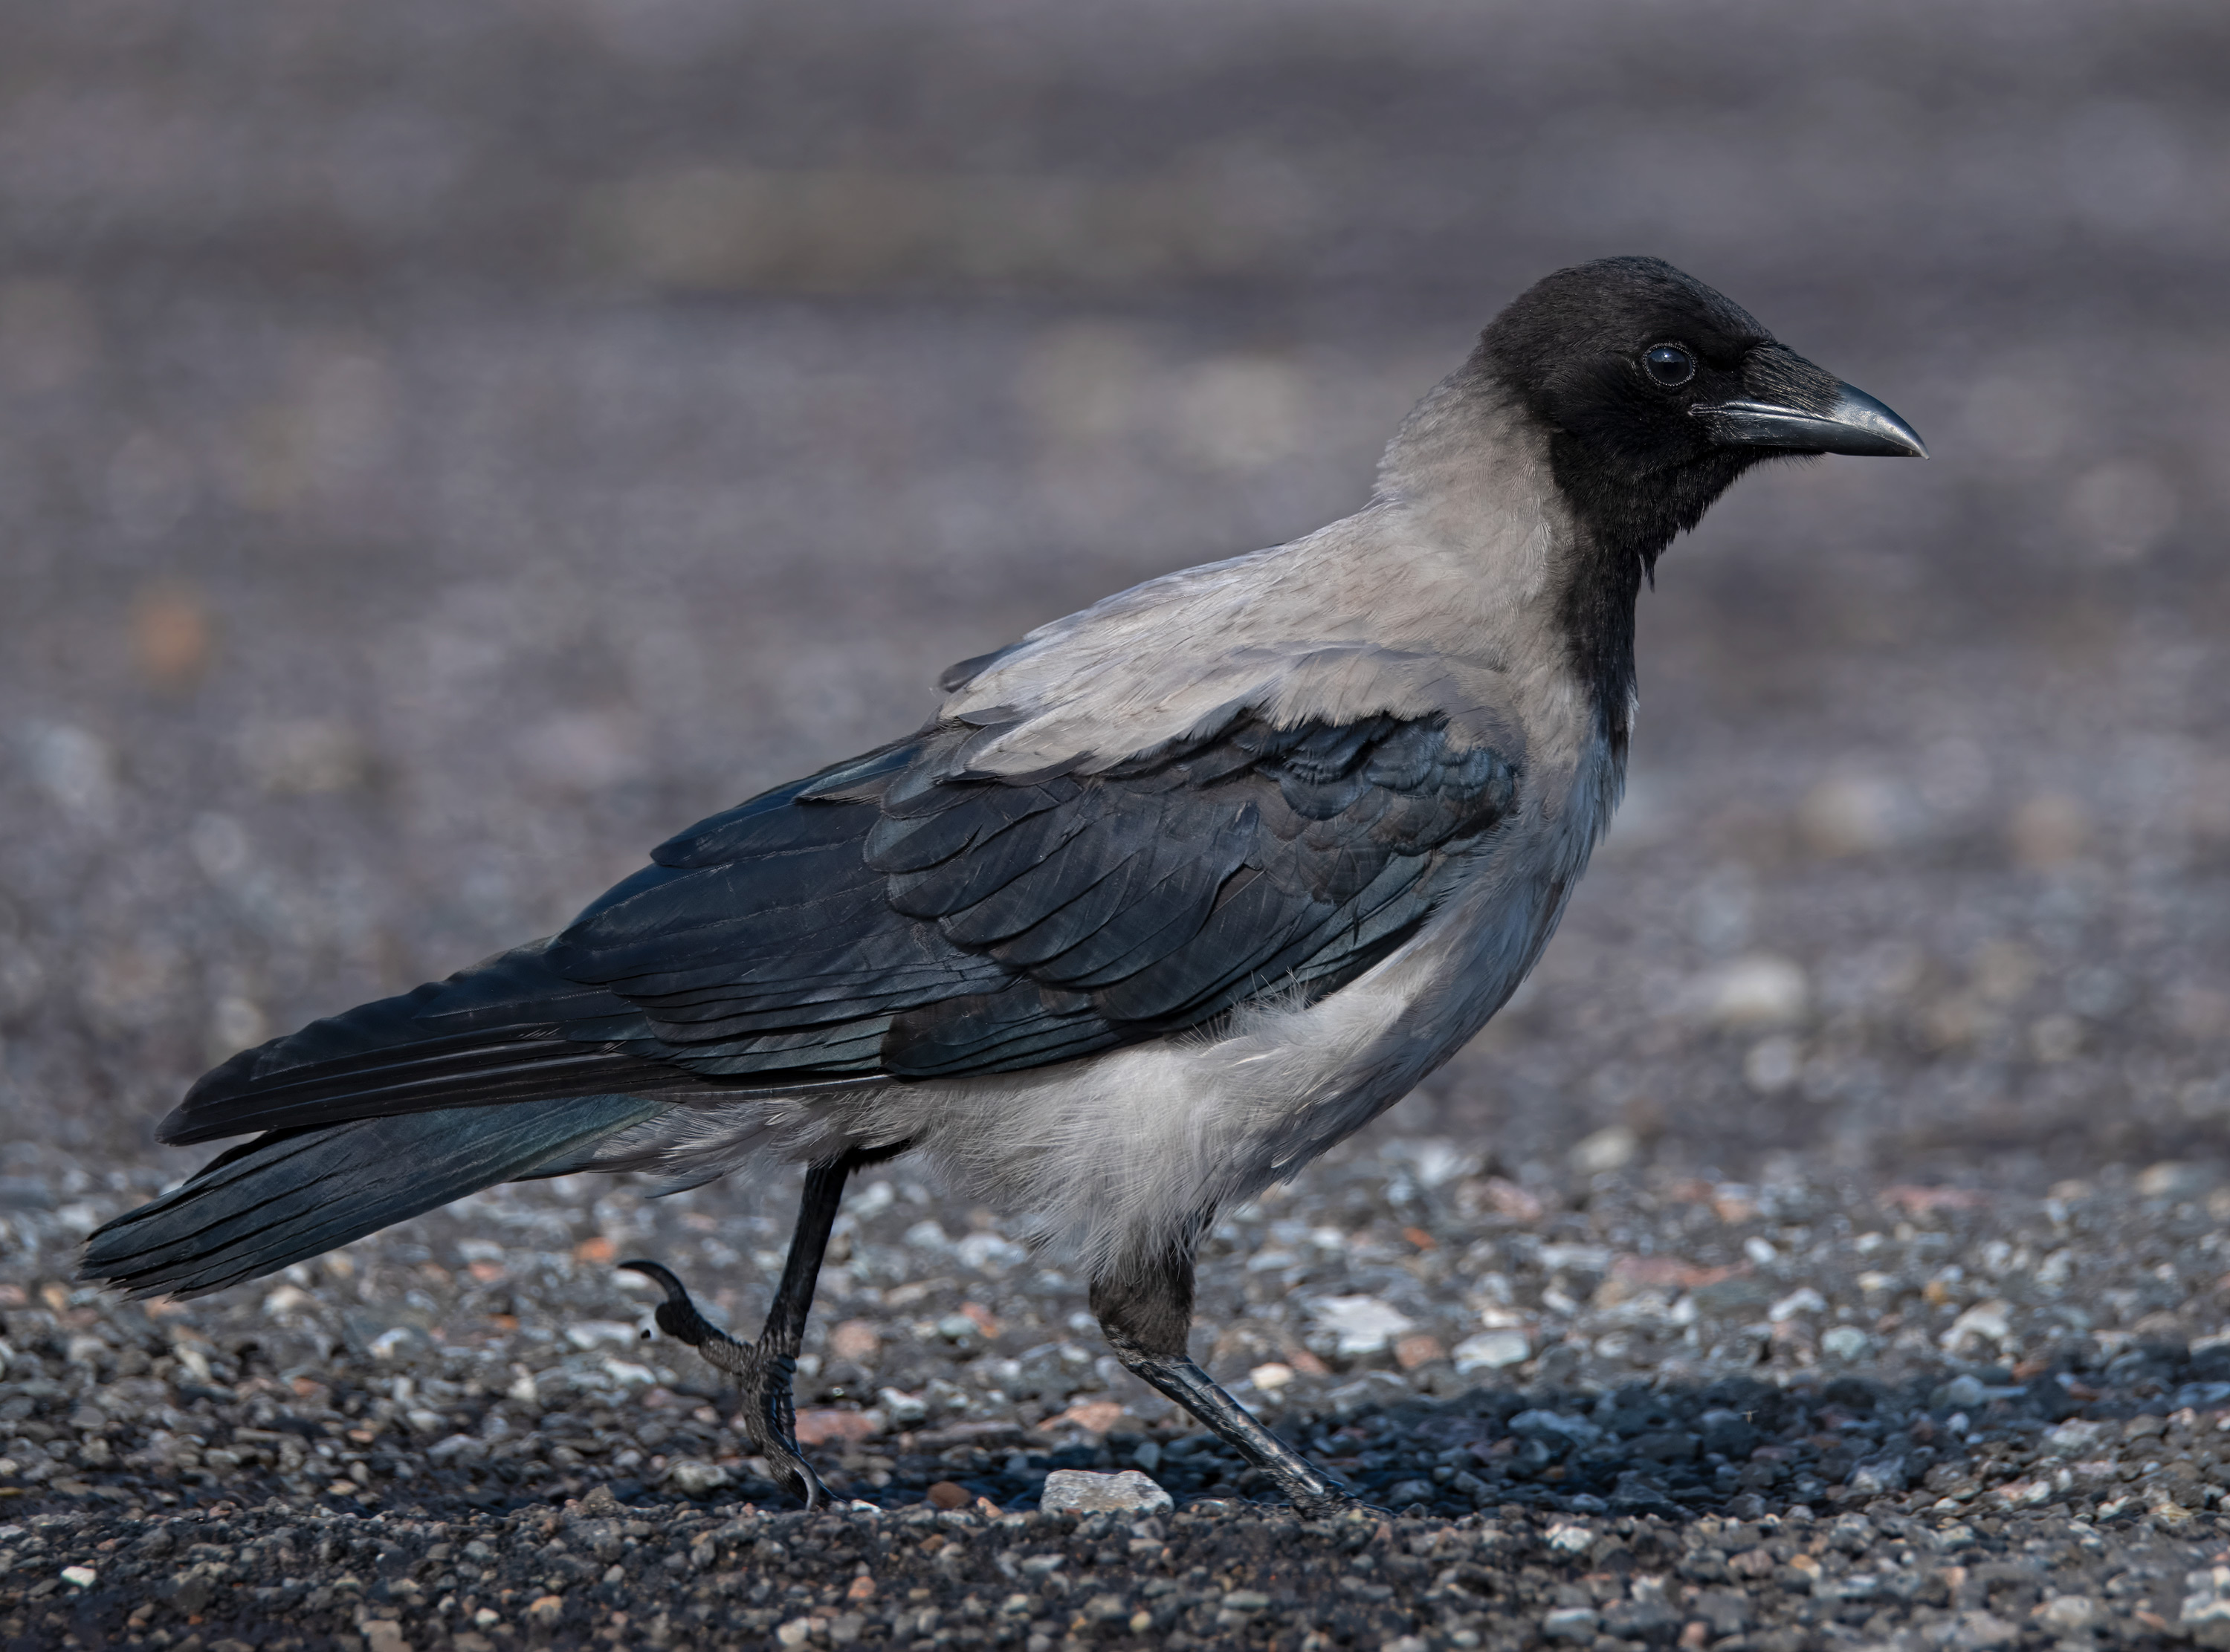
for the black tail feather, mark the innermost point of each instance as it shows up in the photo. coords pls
(292, 1194)
(487, 1036)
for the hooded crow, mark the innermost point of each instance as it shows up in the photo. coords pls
(1167, 898)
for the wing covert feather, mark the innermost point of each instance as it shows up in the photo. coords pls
(900, 916)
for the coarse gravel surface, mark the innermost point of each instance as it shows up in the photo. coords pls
(1768, 1412)
(410, 512)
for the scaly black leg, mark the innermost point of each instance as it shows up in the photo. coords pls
(1147, 1318)
(766, 1369)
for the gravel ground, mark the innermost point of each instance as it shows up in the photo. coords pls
(408, 518)
(1759, 1415)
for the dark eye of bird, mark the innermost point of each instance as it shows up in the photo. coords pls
(1669, 363)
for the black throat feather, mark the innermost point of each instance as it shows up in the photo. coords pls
(1623, 522)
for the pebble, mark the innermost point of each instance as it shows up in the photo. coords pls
(1492, 1350)
(1079, 1491)
(1757, 991)
(1360, 1324)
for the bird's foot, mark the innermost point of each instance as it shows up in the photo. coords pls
(768, 1416)
(769, 1420)
(1311, 1492)
(679, 1318)
(1307, 1488)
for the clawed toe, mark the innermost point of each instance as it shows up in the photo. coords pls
(764, 1370)
(677, 1315)
(804, 1484)
(762, 1373)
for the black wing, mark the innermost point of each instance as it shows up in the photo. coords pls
(898, 916)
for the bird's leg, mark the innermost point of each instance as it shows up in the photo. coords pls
(766, 1369)
(1147, 1317)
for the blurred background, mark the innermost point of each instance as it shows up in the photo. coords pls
(445, 448)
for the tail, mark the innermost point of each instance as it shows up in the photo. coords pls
(293, 1193)
(510, 1029)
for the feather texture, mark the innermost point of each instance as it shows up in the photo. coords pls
(898, 916)
(938, 922)
(293, 1194)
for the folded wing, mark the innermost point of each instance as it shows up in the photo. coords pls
(903, 918)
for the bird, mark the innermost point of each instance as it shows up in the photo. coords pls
(1164, 900)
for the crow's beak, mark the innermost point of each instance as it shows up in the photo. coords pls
(1850, 421)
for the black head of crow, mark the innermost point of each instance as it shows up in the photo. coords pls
(1658, 392)
(1167, 898)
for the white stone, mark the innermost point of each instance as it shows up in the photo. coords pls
(1761, 990)
(1844, 1342)
(1493, 1351)
(903, 1409)
(286, 1300)
(1803, 1300)
(1985, 1320)
(2074, 1438)
(1569, 1623)
(1080, 1491)
(1362, 1324)
(1612, 1147)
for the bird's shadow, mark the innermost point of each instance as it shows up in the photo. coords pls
(1739, 1447)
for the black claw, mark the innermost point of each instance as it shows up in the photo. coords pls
(762, 1376)
(806, 1486)
(674, 1290)
(677, 1315)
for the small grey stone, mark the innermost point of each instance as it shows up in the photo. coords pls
(1964, 1392)
(1555, 1430)
(1877, 1476)
(1568, 1623)
(1079, 1491)
(693, 1478)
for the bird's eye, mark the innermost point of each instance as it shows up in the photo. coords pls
(1669, 363)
